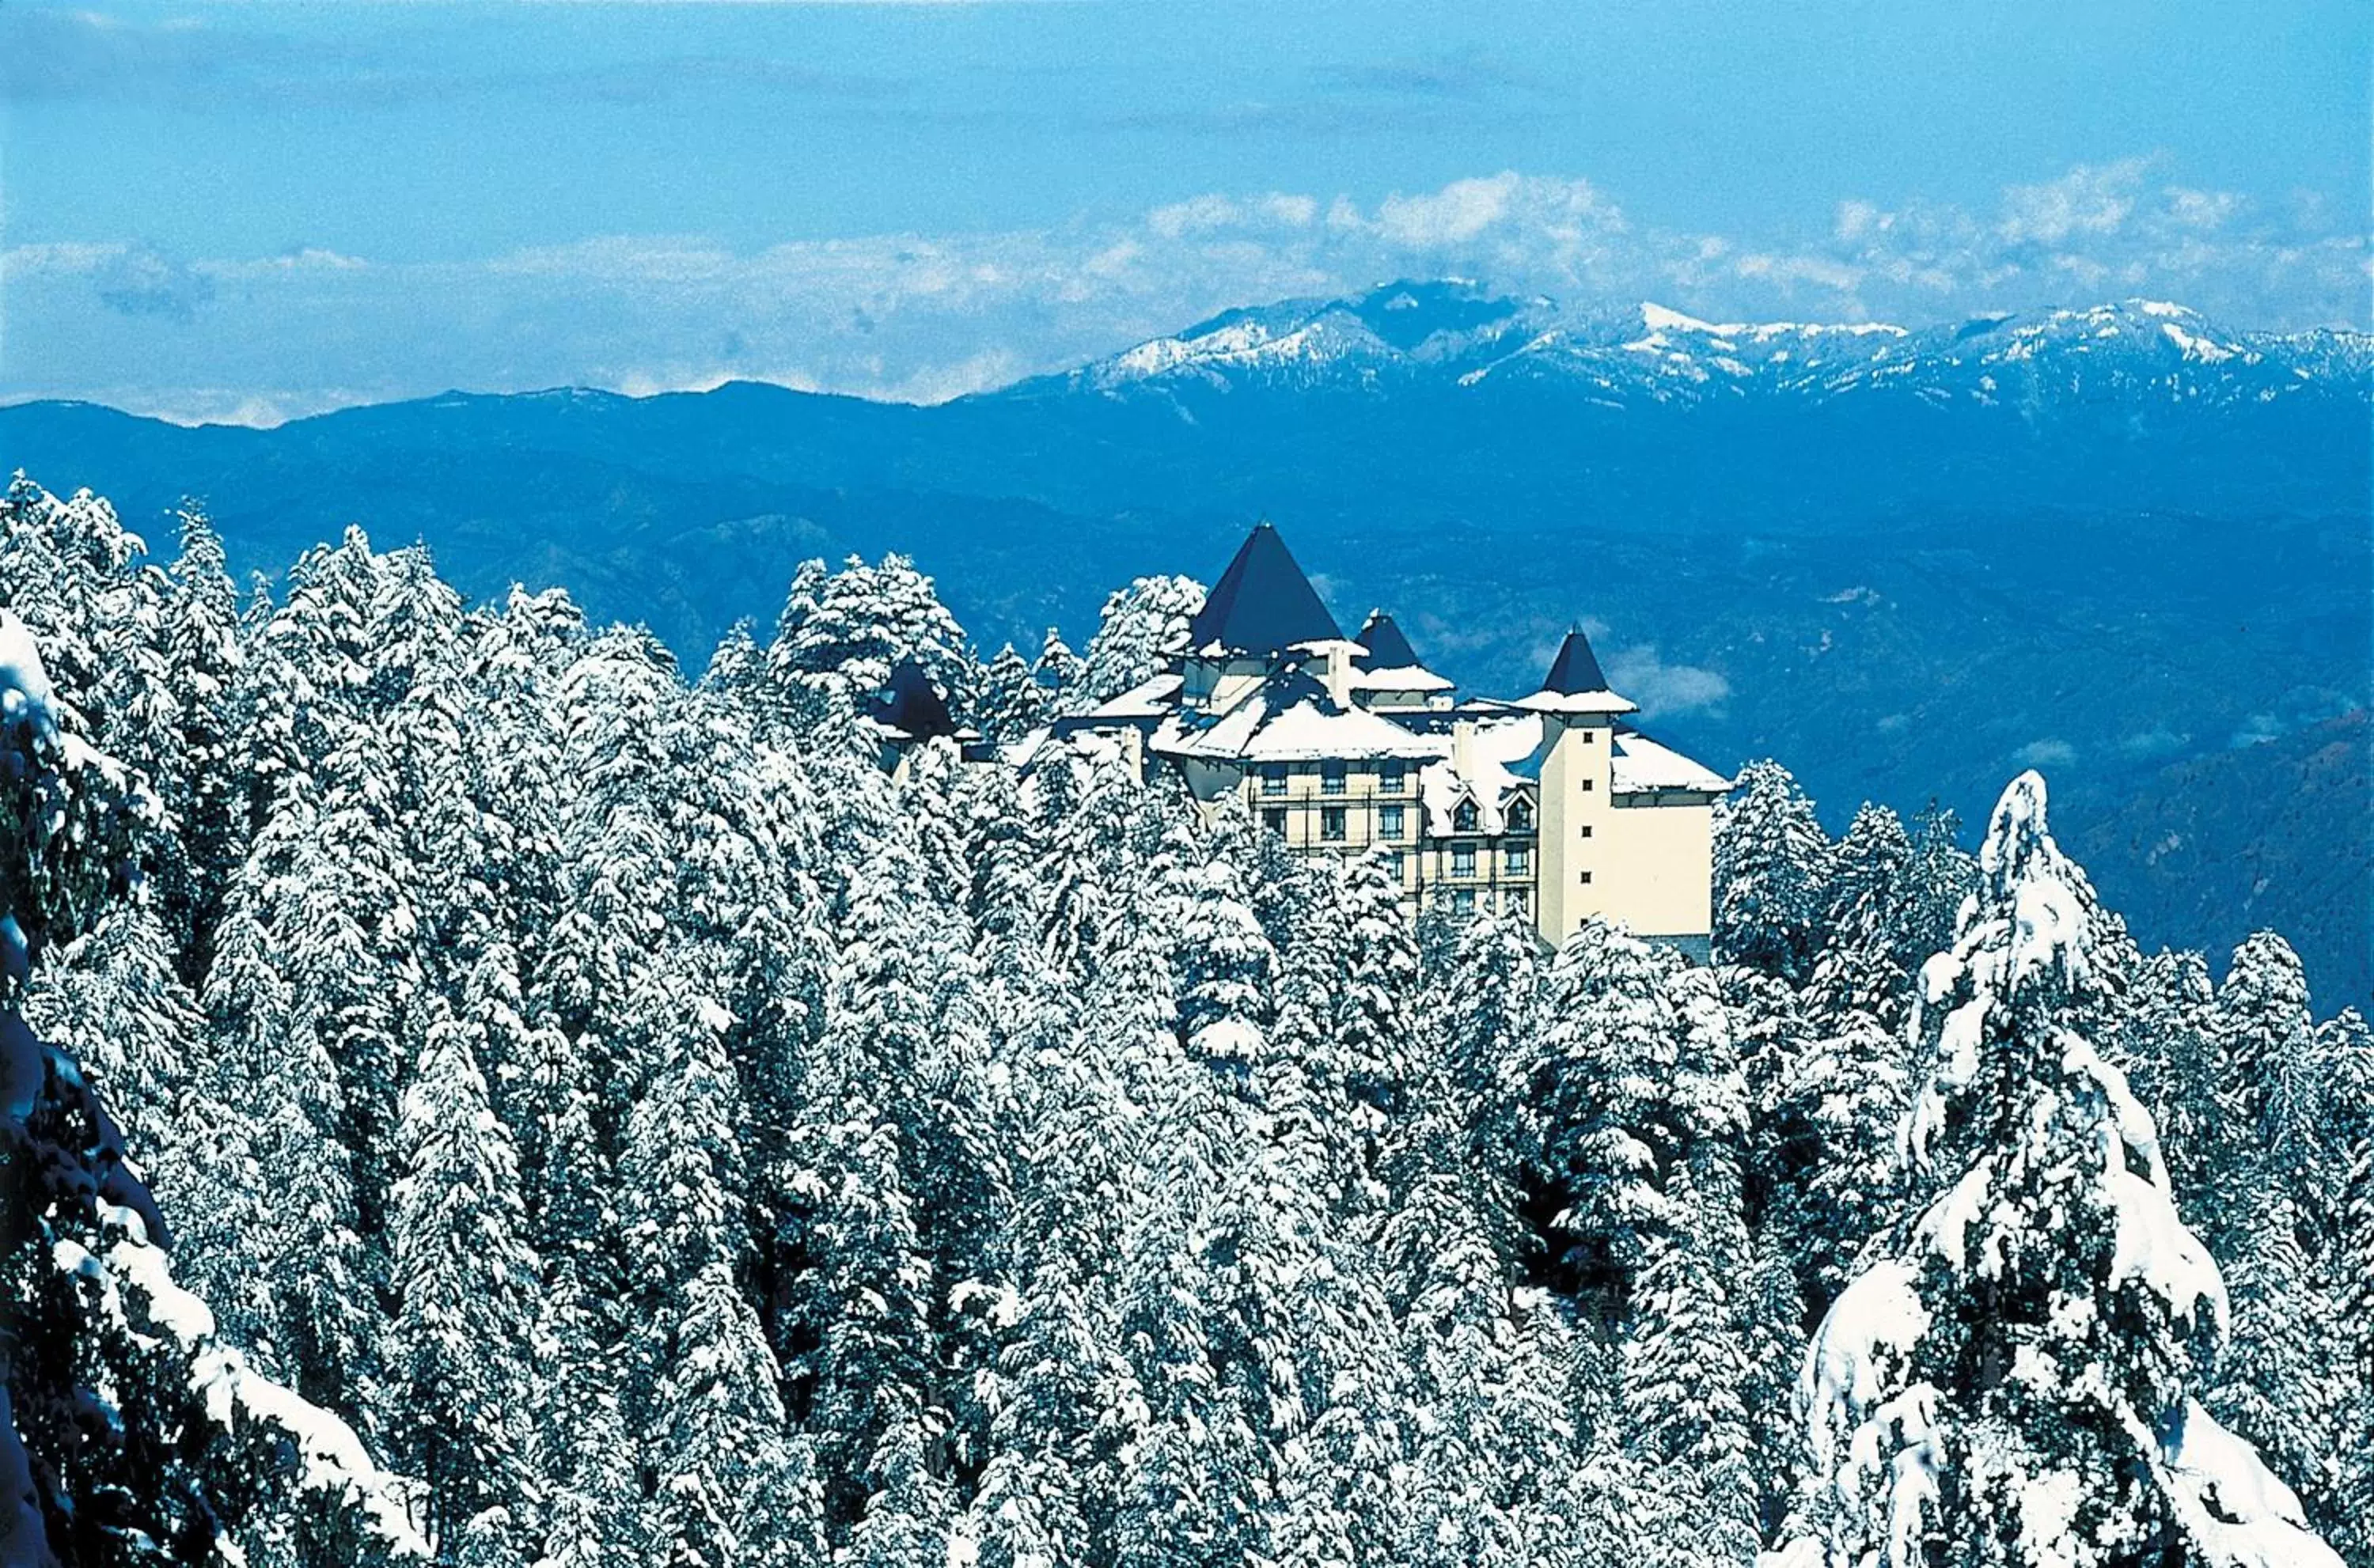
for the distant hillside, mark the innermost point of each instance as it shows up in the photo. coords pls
(2254, 837)
(2110, 542)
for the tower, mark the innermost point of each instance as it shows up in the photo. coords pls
(1578, 715)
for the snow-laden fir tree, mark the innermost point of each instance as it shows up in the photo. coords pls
(465, 1285)
(130, 1430)
(1771, 873)
(1140, 626)
(2013, 1377)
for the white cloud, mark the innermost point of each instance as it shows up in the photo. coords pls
(2045, 754)
(2092, 198)
(1662, 688)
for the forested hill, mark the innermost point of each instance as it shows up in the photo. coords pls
(2126, 543)
(471, 1093)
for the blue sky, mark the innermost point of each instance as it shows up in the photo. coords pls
(260, 209)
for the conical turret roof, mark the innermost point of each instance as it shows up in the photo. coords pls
(1263, 604)
(1388, 649)
(1575, 683)
(1575, 668)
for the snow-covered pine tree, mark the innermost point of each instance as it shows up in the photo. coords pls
(461, 1343)
(2008, 1379)
(1141, 625)
(1011, 701)
(1866, 955)
(1771, 871)
(272, 1238)
(1633, 1068)
(129, 1430)
(1944, 873)
(1058, 670)
(203, 655)
(114, 1000)
(725, 1482)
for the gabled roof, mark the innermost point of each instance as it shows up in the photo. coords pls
(1576, 668)
(1384, 645)
(1263, 604)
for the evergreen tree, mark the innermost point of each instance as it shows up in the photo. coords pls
(1771, 867)
(460, 1341)
(1140, 626)
(1868, 947)
(2006, 1379)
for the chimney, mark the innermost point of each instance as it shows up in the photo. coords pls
(1339, 672)
(1462, 748)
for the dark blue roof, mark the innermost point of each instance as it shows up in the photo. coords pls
(911, 703)
(1263, 604)
(1576, 668)
(1388, 649)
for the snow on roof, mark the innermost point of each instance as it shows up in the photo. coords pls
(1642, 764)
(1503, 756)
(1576, 702)
(1304, 728)
(1262, 603)
(1401, 678)
(1575, 683)
(1150, 699)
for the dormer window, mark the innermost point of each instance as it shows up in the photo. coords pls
(1465, 818)
(1521, 816)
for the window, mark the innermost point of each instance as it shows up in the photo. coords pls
(1521, 816)
(1462, 903)
(1589, 785)
(1586, 879)
(1389, 822)
(1462, 860)
(1331, 824)
(1519, 859)
(1464, 819)
(1392, 861)
(1586, 830)
(1330, 777)
(1591, 737)
(1273, 778)
(1391, 779)
(1274, 820)
(1513, 901)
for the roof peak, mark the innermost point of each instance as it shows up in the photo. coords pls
(1387, 648)
(1576, 668)
(1262, 603)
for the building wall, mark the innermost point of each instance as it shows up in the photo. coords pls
(1576, 805)
(1660, 865)
(1649, 859)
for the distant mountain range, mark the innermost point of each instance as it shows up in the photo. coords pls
(2126, 543)
(1431, 331)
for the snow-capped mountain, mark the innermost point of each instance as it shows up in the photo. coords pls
(1455, 333)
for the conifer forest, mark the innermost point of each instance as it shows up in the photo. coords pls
(474, 1092)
